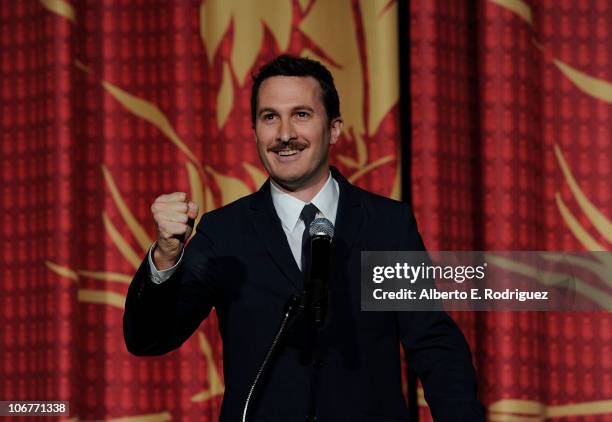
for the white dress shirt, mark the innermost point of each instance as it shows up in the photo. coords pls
(288, 208)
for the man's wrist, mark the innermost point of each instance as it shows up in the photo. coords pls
(160, 276)
(161, 260)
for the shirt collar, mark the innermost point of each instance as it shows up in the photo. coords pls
(289, 207)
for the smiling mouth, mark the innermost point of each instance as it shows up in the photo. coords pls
(287, 152)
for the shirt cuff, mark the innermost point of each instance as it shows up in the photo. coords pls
(157, 276)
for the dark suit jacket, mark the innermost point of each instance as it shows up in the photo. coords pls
(240, 262)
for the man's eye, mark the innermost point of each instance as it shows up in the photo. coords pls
(302, 114)
(269, 116)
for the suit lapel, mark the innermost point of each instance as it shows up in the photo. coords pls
(268, 227)
(349, 218)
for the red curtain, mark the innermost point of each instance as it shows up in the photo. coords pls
(511, 151)
(107, 104)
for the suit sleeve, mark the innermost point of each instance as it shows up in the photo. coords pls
(159, 318)
(436, 349)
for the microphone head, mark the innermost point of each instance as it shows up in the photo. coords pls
(321, 226)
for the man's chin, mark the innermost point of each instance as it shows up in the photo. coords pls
(293, 182)
(289, 182)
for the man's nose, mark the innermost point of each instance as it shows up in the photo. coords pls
(286, 131)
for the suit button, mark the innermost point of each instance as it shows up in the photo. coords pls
(311, 418)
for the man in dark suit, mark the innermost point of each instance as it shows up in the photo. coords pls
(246, 260)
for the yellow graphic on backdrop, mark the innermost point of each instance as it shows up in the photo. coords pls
(149, 417)
(550, 278)
(518, 7)
(248, 19)
(590, 85)
(151, 113)
(514, 410)
(341, 48)
(136, 228)
(596, 217)
(215, 385)
(225, 97)
(382, 46)
(61, 8)
(595, 87)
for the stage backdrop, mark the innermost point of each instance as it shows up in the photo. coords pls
(107, 104)
(511, 106)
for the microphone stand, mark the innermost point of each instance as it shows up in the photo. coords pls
(295, 307)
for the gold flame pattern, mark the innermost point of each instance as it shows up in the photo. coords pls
(248, 20)
(216, 387)
(531, 411)
(590, 85)
(149, 417)
(519, 7)
(550, 278)
(61, 8)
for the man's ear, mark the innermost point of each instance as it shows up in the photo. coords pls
(336, 129)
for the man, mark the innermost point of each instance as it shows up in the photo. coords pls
(246, 259)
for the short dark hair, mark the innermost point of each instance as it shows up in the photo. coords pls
(286, 65)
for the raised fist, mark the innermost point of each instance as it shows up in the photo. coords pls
(174, 216)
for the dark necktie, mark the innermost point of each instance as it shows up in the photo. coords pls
(307, 215)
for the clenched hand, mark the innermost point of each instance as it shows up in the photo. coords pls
(174, 216)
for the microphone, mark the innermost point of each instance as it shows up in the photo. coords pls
(321, 233)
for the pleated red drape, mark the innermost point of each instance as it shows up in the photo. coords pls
(511, 151)
(107, 104)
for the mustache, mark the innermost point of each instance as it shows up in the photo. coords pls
(282, 146)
